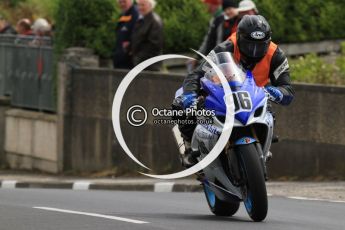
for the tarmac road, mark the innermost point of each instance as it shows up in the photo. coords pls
(48, 209)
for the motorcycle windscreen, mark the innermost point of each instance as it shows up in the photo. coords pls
(232, 72)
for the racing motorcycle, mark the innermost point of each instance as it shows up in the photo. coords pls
(239, 172)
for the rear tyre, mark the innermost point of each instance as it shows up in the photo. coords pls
(255, 199)
(219, 207)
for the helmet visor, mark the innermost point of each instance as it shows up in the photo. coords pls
(253, 49)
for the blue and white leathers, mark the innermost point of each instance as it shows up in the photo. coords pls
(226, 178)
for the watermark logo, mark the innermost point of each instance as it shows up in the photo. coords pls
(137, 116)
(217, 149)
(132, 114)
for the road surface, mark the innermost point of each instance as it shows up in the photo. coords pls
(48, 209)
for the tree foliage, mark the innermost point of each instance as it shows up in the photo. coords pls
(13, 10)
(302, 21)
(185, 24)
(86, 23)
(314, 69)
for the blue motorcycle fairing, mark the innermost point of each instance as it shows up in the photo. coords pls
(211, 196)
(215, 96)
(245, 141)
(215, 99)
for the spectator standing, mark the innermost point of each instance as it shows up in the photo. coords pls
(247, 7)
(124, 29)
(221, 27)
(214, 8)
(5, 27)
(147, 38)
(24, 27)
(225, 25)
(41, 27)
(41, 30)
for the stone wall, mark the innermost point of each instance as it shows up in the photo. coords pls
(311, 129)
(80, 137)
(31, 141)
(88, 137)
(4, 106)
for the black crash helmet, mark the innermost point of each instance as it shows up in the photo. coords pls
(253, 37)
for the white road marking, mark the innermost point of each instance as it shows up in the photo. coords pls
(164, 187)
(337, 201)
(81, 185)
(8, 184)
(93, 215)
(314, 199)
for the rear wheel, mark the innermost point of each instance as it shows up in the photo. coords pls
(255, 194)
(219, 207)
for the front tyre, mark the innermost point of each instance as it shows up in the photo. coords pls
(219, 207)
(255, 199)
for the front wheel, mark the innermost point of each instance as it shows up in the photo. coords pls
(219, 207)
(255, 194)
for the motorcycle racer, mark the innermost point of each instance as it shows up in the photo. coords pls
(253, 50)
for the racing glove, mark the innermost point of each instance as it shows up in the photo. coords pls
(274, 94)
(189, 100)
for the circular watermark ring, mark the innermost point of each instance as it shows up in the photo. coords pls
(223, 139)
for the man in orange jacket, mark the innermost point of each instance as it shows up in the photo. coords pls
(121, 55)
(252, 48)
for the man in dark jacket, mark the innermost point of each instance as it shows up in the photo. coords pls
(124, 31)
(221, 27)
(251, 48)
(147, 38)
(5, 27)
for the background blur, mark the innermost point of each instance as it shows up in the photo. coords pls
(57, 88)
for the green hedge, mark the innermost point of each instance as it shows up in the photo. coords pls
(12, 3)
(185, 24)
(291, 21)
(91, 23)
(86, 23)
(307, 20)
(314, 69)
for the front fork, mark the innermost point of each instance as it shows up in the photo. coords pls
(262, 159)
(250, 140)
